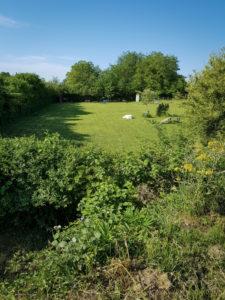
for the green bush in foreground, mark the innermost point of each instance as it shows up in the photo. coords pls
(148, 227)
(45, 180)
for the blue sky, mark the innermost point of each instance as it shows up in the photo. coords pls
(48, 36)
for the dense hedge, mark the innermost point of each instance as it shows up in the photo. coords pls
(146, 225)
(22, 94)
(46, 179)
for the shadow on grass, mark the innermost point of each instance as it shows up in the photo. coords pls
(56, 118)
(17, 239)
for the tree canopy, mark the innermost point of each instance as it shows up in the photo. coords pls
(82, 79)
(207, 96)
(159, 73)
(132, 72)
(22, 93)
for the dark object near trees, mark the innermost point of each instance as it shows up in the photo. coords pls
(162, 109)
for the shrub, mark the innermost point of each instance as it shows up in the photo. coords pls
(136, 221)
(162, 109)
(45, 180)
(205, 178)
(22, 94)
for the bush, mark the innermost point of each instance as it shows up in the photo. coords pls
(23, 94)
(162, 109)
(45, 180)
(112, 249)
(154, 221)
(205, 178)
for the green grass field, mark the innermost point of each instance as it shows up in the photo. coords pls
(99, 124)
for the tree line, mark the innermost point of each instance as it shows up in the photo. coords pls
(154, 74)
(133, 72)
(24, 93)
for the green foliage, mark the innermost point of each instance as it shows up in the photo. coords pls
(207, 97)
(137, 221)
(42, 179)
(128, 226)
(22, 94)
(158, 72)
(148, 96)
(82, 79)
(133, 71)
(205, 178)
(57, 88)
(162, 109)
(107, 84)
(125, 71)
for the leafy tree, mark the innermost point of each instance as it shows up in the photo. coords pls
(179, 87)
(107, 84)
(148, 96)
(82, 79)
(207, 97)
(125, 71)
(158, 72)
(4, 95)
(57, 88)
(21, 94)
(2, 98)
(28, 91)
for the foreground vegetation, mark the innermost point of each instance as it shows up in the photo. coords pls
(101, 124)
(139, 227)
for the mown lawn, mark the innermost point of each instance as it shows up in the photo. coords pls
(99, 124)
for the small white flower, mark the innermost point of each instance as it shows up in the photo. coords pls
(57, 227)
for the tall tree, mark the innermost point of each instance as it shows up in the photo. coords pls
(82, 79)
(107, 84)
(125, 71)
(57, 89)
(157, 72)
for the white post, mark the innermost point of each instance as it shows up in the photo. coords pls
(137, 97)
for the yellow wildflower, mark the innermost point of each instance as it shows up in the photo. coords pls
(216, 146)
(209, 172)
(188, 167)
(211, 144)
(203, 157)
(201, 172)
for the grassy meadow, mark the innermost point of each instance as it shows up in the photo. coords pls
(100, 124)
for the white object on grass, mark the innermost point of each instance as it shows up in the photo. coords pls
(128, 117)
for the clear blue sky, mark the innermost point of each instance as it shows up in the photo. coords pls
(48, 36)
